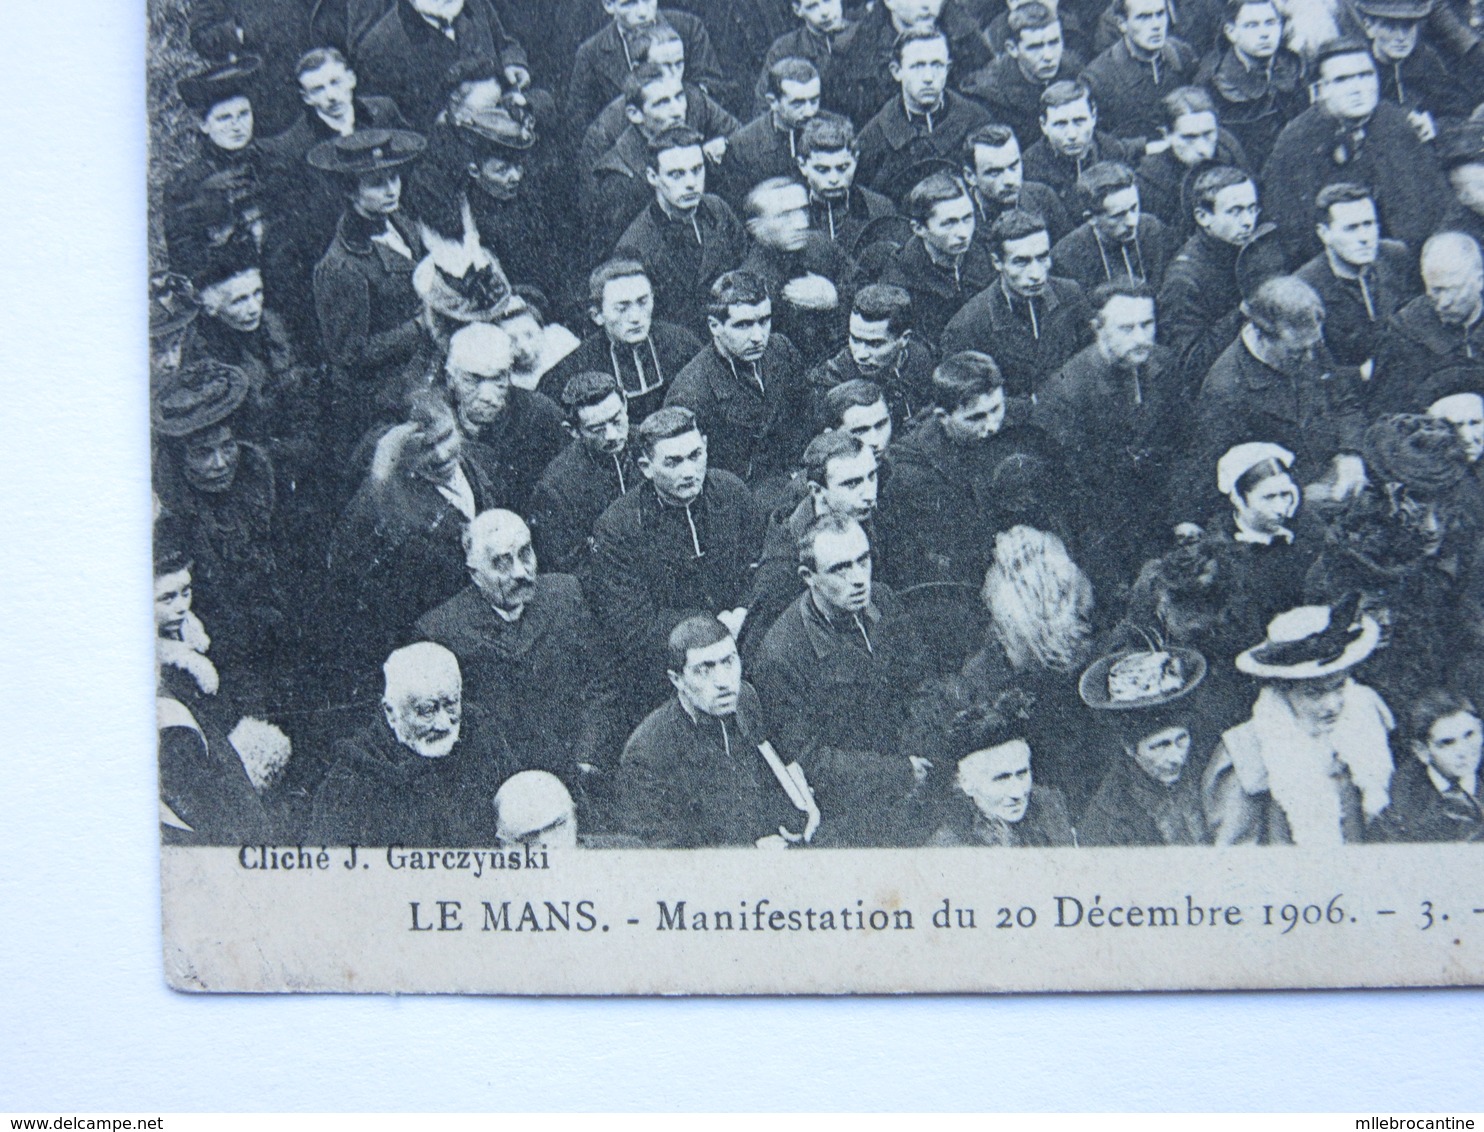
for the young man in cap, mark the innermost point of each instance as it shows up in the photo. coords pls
(363, 284)
(923, 121)
(1351, 134)
(942, 266)
(1362, 278)
(678, 544)
(883, 348)
(692, 774)
(1129, 79)
(685, 237)
(747, 389)
(531, 653)
(1119, 241)
(1034, 57)
(1413, 75)
(595, 468)
(1256, 83)
(1030, 321)
(641, 351)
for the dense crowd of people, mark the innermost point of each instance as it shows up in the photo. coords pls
(803, 423)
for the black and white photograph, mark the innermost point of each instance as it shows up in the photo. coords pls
(831, 439)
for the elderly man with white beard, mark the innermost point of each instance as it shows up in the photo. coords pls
(424, 771)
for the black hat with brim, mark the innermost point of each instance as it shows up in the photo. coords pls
(195, 397)
(1395, 9)
(367, 151)
(205, 89)
(172, 304)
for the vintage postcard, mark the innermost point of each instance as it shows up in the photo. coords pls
(820, 497)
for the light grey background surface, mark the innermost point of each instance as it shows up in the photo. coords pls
(87, 1022)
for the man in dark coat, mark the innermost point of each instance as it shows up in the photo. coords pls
(398, 551)
(1413, 73)
(864, 81)
(1192, 140)
(1461, 153)
(641, 351)
(595, 468)
(768, 146)
(410, 53)
(617, 191)
(1198, 304)
(692, 775)
(1434, 345)
(747, 389)
(922, 121)
(531, 654)
(363, 292)
(1361, 278)
(678, 545)
(424, 772)
(995, 173)
(939, 508)
(1129, 79)
(942, 266)
(1435, 795)
(1030, 321)
(841, 476)
(1119, 241)
(1114, 410)
(1071, 141)
(1034, 57)
(1256, 84)
(604, 61)
(1274, 383)
(1350, 135)
(807, 273)
(331, 108)
(835, 674)
(685, 237)
(839, 208)
(882, 348)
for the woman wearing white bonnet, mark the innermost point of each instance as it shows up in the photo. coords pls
(1312, 765)
(1272, 544)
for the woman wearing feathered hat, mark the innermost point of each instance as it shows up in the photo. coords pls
(1149, 796)
(1312, 765)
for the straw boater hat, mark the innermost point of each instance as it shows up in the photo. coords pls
(195, 397)
(1313, 641)
(1139, 679)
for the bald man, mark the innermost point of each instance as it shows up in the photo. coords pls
(532, 654)
(522, 429)
(533, 810)
(423, 772)
(1465, 412)
(1435, 344)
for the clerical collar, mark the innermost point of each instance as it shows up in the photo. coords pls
(924, 115)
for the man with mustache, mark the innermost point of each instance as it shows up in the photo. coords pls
(424, 772)
(531, 653)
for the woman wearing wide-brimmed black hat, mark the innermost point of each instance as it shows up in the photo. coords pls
(363, 286)
(1150, 795)
(1312, 765)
